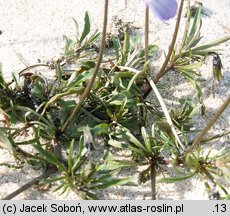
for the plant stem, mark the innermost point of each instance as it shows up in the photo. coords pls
(33, 66)
(141, 114)
(210, 124)
(29, 184)
(91, 82)
(166, 113)
(153, 173)
(146, 33)
(172, 45)
(163, 69)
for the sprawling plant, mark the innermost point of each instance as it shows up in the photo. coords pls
(92, 109)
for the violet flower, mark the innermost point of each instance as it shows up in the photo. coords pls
(163, 9)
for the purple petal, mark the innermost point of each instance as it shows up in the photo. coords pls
(163, 9)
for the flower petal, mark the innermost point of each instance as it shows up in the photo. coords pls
(163, 9)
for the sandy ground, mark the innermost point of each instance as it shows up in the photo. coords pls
(35, 30)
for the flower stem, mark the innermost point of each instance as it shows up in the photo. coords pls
(29, 184)
(163, 70)
(146, 33)
(210, 124)
(142, 116)
(166, 112)
(153, 172)
(91, 82)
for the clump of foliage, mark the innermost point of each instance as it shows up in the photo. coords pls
(95, 108)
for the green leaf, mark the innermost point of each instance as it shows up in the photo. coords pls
(69, 47)
(117, 47)
(191, 161)
(146, 139)
(52, 180)
(100, 129)
(190, 74)
(17, 80)
(113, 164)
(227, 197)
(26, 142)
(117, 144)
(177, 179)
(63, 184)
(81, 156)
(71, 155)
(137, 75)
(76, 27)
(164, 126)
(108, 183)
(50, 158)
(127, 135)
(117, 99)
(86, 29)
(93, 38)
(200, 97)
(87, 64)
(39, 116)
(206, 47)
(126, 49)
(57, 97)
(137, 151)
(59, 71)
(195, 30)
(222, 187)
(151, 50)
(122, 110)
(64, 188)
(84, 77)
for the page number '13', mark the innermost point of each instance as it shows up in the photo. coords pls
(220, 208)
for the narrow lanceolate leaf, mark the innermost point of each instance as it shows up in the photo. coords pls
(69, 47)
(50, 158)
(86, 29)
(4, 142)
(88, 138)
(177, 179)
(117, 144)
(117, 47)
(71, 155)
(59, 187)
(76, 27)
(81, 157)
(52, 180)
(59, 70)
(146, 139)
(116, 164)
(127, 135)
(108, 183)
(196, 24)
(206, 47)
(126, 48)
(2, 81)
